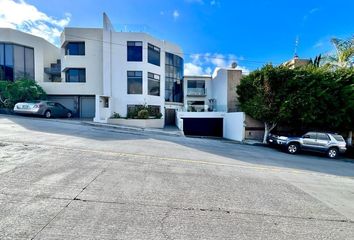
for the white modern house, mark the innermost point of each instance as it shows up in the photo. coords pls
(98, 73)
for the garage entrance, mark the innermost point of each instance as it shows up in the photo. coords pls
(211, 127)
(87, 107)
(80, 106)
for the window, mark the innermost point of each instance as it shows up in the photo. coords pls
(322, 136)
(135, 82)
(174, 78)
(2, 62)
(339, 138)
(75, 48)
(153, 55)
(9, 62)
(16, 62)
(19, 61)
(153, 84)
(310, 135)
(75, 75)
(135, 51)
(29, 62)
(196, 88)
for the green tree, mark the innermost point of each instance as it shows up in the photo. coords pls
(344, 53)
(343, 58)
(303, 98)
(19, 91)
(262, 94)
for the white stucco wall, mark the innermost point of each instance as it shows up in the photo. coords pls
(115, 79)
(45, 53)
(91, 61)
(234, 126)
(219, 88)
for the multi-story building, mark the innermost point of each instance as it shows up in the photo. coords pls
(97, 72)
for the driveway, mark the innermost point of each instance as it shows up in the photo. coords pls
(64, 180)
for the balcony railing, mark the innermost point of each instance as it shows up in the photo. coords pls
(205, 108)
(196, 92)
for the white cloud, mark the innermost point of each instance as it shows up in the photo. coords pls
(204, 64)
(175, 14)
(27, 18)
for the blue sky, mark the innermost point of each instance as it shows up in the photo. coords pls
(211, 32)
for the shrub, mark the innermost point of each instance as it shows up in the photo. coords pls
(115, 115)
(19, 91)
(158, 115)
(143, 114)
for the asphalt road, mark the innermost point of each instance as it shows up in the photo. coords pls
(70, 181)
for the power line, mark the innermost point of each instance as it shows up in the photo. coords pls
(205, 56)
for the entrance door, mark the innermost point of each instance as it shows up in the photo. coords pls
(170, 117)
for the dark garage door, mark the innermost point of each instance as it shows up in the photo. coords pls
(203, 127)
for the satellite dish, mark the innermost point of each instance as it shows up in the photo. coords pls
(234, 65)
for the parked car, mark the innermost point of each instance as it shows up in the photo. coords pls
(46, 109)
(330, 143)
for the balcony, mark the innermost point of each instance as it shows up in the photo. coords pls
(196, 92)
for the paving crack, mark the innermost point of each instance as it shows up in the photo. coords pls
(68, 204)
(162, 224)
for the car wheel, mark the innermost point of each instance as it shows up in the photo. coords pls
(47, 114)
(293, 148)
(68, 115)
(332, 152)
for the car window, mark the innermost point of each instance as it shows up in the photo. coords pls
(58, 105)
(51, 104)
(339, 138)
(311, 135)
(322, 136)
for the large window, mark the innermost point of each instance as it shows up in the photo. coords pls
(153, 55)
(134, 51)
(75, 48)
(135, 82)
(174, 78)
(16, 62)
(196, 88)
(75, 75)
(153, 84)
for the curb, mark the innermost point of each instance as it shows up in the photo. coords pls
(125, 129)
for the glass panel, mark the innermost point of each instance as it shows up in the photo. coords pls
(153, 55)
(75, 75)
(2, 62)
(29, 63)
(153, 84)
(75, 48)
(134, 51)
(9, 62)
(19, 62)
(174, 74)
(135, 82)
(322, 136)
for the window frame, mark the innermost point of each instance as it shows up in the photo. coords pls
(133, 75)
(79, 53)
(152, 49)
(130, 47)
(67, 72)
(153, 77)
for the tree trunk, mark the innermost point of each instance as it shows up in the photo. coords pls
(267, 128)
(350, 137)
